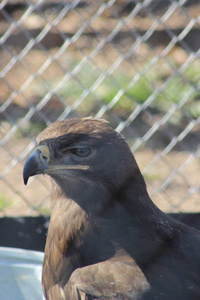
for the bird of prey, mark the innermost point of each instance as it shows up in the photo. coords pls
(107, 239)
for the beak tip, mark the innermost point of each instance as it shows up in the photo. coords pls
(25, 177)
(25, 181)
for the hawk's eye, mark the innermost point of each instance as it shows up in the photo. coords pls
(81, 152)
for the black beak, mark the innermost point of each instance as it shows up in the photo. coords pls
(36, 163)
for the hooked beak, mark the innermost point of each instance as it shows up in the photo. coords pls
(39, 163)
(36, 163)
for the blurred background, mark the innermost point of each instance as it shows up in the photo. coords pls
(134, 63)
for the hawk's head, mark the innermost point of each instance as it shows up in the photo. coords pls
(83, 155)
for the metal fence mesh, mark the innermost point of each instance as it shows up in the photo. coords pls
(134, 63)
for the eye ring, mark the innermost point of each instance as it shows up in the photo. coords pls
(81, 152)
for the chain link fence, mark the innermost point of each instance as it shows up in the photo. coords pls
(134, 63)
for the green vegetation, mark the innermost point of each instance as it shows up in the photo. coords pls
(34, 128)
(152, 177)
(43, 210)
(4, 203)
(31, 128)
(123, 93)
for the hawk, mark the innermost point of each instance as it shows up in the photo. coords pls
(107, 239)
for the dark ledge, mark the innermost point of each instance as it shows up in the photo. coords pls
(30, 232)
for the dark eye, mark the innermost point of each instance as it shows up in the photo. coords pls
(81, 152)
